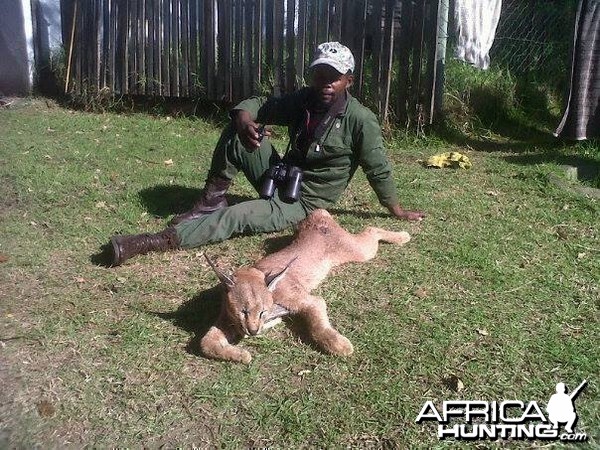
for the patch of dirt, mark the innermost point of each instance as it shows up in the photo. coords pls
(9, 195)
(9, 411)
(33, 103)
(11, 102)
(17, 288)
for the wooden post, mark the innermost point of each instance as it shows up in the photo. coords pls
(209, 47)
(376, 33)
(132, 47)
(440, 60)
(386, 65)
(149, 50)
(158, 48)
(184, 40)
(313, 35)
(113, 46)
(237, 44)
(323, 22)
(247, 49)
(403, 58)
(417, 58)
(70, 61)
(104, 64)
(258, 56)
(278, 45)
(336, 10)
(174, 65)
(193, 75)
(97, 44)
(141, 78)
(166, 48)
(301, 40)
(290, 66)
(359, 55)
(268, 48)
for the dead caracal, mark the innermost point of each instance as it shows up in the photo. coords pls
(280, 284)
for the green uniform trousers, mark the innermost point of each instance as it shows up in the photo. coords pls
(252, 216)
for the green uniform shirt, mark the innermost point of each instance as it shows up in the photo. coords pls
(351, 139)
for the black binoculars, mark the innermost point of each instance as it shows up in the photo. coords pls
(285, 176)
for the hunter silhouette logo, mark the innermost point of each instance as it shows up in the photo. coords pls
(561, 408)
(507, 419)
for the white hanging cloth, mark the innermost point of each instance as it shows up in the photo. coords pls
(476, 22)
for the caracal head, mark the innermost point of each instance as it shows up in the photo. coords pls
(249, 297)
(248, 300)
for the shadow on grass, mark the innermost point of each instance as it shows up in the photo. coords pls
(586, 169)
(103, 257)
(163, 200)
(590, 167)
(532, 149)
(212, 112)
(196, 316)
(526, 139)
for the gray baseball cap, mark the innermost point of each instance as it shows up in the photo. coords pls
(335, 55)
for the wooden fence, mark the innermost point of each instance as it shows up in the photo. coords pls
(227, 50)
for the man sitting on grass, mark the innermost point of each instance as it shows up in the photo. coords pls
(331, 134)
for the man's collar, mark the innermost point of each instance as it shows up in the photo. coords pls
(338, 108)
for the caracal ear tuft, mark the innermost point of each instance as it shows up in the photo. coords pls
(271, 280)
(223, 278)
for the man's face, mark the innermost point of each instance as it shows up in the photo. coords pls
(328, 83)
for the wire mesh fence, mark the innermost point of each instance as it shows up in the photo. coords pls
(526, 48)
(534, 35)
(531, 35)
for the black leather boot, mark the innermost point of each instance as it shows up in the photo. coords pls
(212, 199)
(128, 246)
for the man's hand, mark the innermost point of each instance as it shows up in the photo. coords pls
(248, 130)
(403, 214)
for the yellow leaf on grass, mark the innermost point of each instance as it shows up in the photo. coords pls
(454, 160)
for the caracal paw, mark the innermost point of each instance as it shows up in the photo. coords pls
(399, 237)
(335, 343)
(243, 356)
(343, 346)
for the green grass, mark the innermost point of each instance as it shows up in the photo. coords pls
(499, 287)
(496, 102)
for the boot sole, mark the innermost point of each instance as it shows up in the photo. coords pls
(116, 261)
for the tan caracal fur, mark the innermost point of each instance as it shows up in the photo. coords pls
(280, 284)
